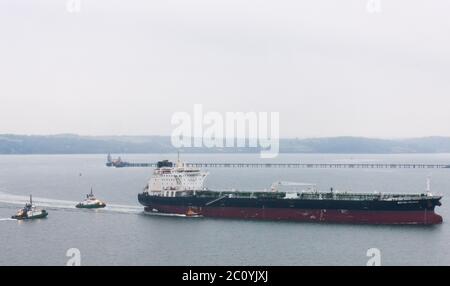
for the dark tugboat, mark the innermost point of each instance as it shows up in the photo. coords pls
(91, 202)
(30, 212)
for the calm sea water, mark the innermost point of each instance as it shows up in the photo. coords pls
(122, 235)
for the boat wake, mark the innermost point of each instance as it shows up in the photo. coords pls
(7, 219)
(11, 199)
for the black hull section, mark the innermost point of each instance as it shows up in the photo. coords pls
(404, 205)
(338, 211)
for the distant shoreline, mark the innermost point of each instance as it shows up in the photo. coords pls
(78, 145)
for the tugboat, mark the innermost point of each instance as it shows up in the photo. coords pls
(30, 212)
(91, 202)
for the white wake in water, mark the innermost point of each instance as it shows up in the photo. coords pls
(64, 204)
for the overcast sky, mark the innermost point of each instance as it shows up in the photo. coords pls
(124, 67)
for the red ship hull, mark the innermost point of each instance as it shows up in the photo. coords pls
(422, 217)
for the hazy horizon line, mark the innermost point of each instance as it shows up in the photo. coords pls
(281, 137)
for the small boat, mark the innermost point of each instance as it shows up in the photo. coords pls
(91, 202)
(30, 212)
(191, 213)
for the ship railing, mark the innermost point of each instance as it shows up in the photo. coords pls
(308, 195)
(362, 196)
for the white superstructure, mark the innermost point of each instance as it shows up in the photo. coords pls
(168, 180)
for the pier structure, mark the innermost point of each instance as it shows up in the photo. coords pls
(119, 163)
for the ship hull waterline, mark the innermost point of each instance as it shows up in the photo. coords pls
(419, 217)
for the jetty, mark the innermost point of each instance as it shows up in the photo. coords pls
(119, 163)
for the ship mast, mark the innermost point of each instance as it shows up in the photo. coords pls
(179, 164)
(429, 184)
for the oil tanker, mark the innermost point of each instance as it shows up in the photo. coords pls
(175, 189)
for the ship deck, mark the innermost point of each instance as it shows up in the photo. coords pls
(310, 195)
